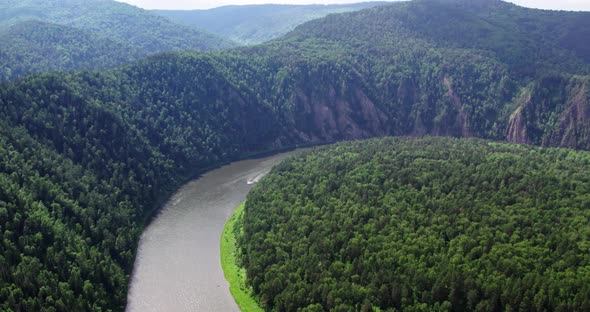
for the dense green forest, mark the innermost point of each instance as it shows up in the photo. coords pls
(42, 35)
(82, 169)
(89, 155)
(33, 46)
(409, 224)
(251, 24)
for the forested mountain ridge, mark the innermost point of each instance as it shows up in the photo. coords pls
(90, 29)
(121, 139)
(251, 24)
(34, 46)
(516, 36)
(421, 224)
(421, 72)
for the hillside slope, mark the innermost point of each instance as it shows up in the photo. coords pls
(82, 168)
(251, 24)
(121, 139)
(33, 46)
(90, 29)
(468, 76)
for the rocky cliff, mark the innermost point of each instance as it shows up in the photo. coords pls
(552, 112)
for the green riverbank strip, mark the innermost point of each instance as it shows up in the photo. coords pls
(234, 274)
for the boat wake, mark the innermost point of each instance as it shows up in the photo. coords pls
(255, 178)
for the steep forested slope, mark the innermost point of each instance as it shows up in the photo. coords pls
(431, 224)
(127, 136)
(251, 24)
(82, 166)
(68, 237)
(466, 68)
(95, 34)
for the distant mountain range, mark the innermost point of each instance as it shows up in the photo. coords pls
(115, 20)
(251, 24)
(45, 35)
(35, 46)
(64, 35)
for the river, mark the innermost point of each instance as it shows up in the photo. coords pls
(177, 267)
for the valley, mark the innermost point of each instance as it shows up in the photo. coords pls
(107, 109)
(253, 24)
(177, 265)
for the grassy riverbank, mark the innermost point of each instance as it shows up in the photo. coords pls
(234, 274)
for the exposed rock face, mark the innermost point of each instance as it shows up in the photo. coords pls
(517, 125)
(329, 112)
(460, 118)
(332, 116)
(554, 112)
(574, 122)
(551, 111)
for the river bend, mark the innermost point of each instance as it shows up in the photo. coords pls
(177, 267)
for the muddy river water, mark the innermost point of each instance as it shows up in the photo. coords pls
(178, 266)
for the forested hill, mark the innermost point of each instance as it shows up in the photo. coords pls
(421, 224)
(251, 24)
(91, 28)
(34, 46)
(482, 68)
(85, 156)
(528, 41)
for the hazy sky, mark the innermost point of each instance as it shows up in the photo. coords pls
(580, 5)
